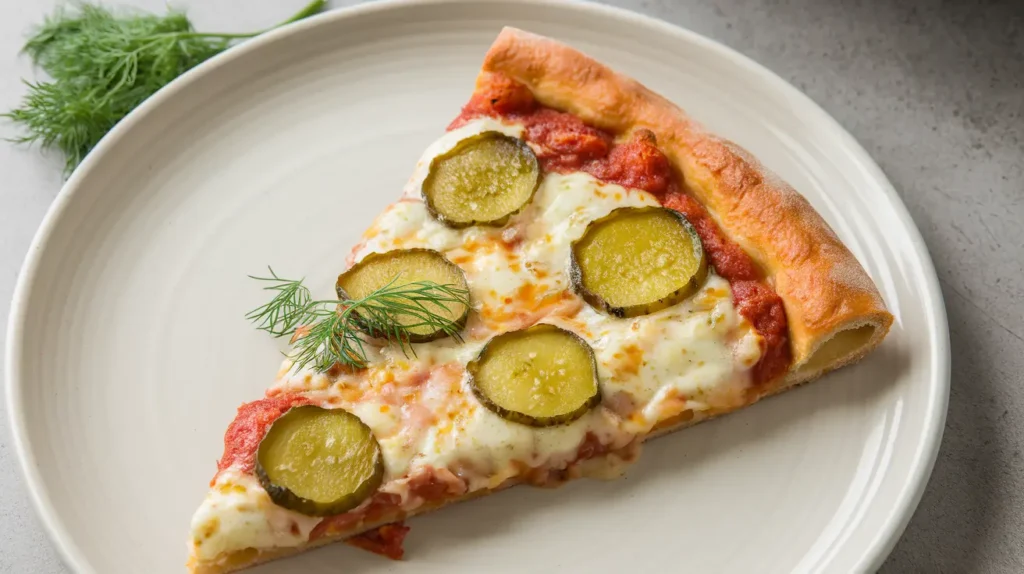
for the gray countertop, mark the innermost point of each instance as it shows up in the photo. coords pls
(933, 90)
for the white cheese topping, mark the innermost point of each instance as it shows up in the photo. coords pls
(237, 513)
(562, 209)
(692, 356)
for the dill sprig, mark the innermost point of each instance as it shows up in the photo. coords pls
(329, 332)
(286, 311)
(103, 64)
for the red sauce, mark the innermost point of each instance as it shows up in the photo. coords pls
(729, 259)
(500, 96)
(382, 503)
(436, 484)
(385, 540)
(564, 143)
(245, 432)
(637, 163)
(431, 486)
(592, 447)
(763, 308)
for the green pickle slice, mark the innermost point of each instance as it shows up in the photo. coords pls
(319, 462)
(539, 376)
(638, 260)
(483, 180)
(404, 266)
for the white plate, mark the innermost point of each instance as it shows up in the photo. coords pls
(128, 351)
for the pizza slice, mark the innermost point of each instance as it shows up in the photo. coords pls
(575, 267)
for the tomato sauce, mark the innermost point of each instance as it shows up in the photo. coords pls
(385, 540)
(381, 504)
(247, 430)
(564, 143)
(431, 486)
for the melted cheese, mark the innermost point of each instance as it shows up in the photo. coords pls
(697, 352)
(562, 209)
(237, 513)
(693, 356)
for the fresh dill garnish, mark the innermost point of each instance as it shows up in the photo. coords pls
(286, 311)
(329, 332)
(103, 64)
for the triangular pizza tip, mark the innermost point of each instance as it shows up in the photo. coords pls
(575, 267)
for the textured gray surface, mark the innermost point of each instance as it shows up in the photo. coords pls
(933, 90)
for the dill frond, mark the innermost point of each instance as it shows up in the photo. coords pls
(333, 332)
(103, 64)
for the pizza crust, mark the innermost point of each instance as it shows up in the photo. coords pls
(835, 313)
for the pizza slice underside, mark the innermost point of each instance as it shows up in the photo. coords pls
(782, 302)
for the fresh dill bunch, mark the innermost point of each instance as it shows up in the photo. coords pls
(332, 332)
(103, 64)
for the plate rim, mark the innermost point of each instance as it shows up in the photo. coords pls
(876, 551)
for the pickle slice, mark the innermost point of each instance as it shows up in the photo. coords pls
(638, 260)
(539, 376)
(404, 266)
(483, 180)
(319, 461)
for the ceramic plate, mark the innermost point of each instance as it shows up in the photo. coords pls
(128, 352)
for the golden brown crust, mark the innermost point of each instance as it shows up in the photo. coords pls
(825, 290)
